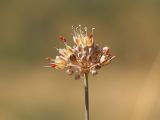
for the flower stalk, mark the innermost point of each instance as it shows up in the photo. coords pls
(83, 58)
(86, 95)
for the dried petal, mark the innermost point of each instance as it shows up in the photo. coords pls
(62, 52)
(98, 66)
(105, 50)
(84, 59)
(60, 60)
(69, 71)
(90, 40)
(93, 72)
(89, 58)
(106, 62)
(103, 59)
(62, 39)
(53, 65)
(73, 59)
(77, 41)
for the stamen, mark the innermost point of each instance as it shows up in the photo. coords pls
(48, 58)
(85, 29)
(92, 30)
(74, 31)
(113, 57)
(47, 66)
(91, 35)
(77, 31)
(80, 30)
(53, 65)
(62, 39)
(73, 27)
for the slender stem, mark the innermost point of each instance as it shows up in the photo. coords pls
(86, 96)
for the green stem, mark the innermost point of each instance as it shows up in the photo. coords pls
(86, 96)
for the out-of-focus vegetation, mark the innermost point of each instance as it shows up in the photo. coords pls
(128, 89)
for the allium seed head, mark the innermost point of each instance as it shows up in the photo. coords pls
(83, 57)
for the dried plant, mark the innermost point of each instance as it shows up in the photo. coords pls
(83, 58)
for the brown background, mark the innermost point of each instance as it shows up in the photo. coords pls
(127, 89)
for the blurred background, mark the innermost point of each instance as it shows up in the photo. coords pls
(127, 89)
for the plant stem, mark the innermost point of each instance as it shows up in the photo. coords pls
(86, 96)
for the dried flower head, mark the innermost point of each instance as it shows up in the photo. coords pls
(83, 57)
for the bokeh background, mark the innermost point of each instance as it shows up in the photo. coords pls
(127, 89)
